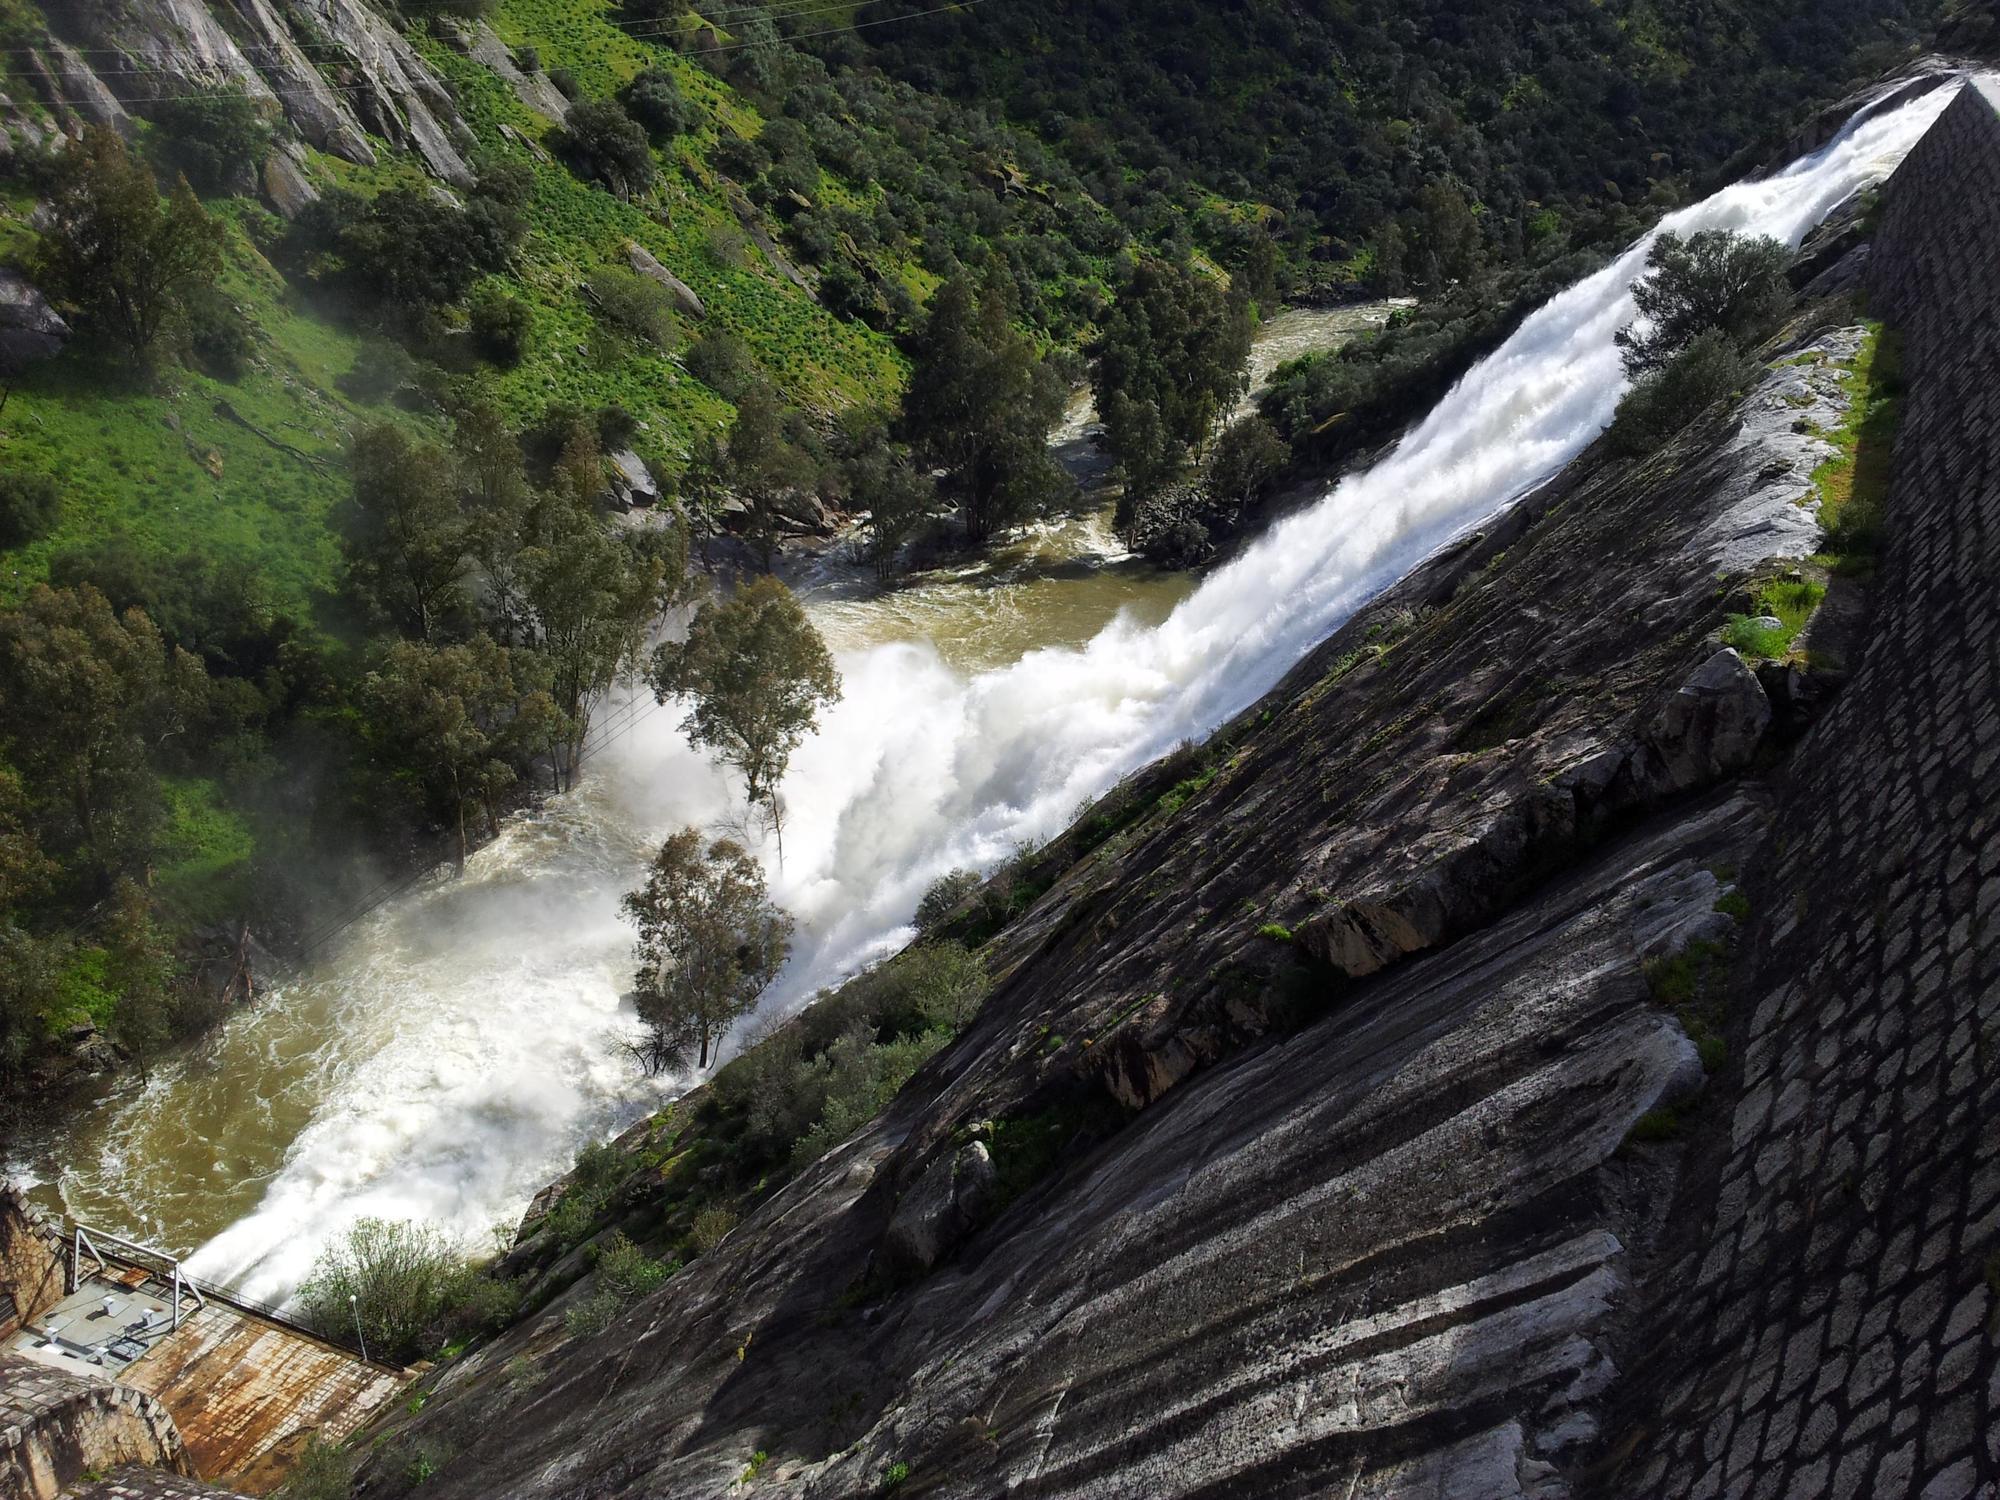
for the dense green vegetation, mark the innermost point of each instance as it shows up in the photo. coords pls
(309, 518)
(1387, 138)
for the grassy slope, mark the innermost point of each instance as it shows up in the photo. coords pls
(169, 471)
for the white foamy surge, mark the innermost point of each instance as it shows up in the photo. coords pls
(471, 1026)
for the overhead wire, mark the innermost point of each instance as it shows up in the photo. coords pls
(720, 16)
(325, 87)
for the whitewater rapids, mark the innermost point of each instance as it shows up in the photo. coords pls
(453, 1051)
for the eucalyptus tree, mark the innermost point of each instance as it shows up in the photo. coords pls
(755, 674)
(710, 942)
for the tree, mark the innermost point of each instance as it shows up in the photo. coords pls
(1246, 458)
(86, 697)
(126, 262)
(980, 406)
(1172, 358)
(439, 715)
(766, 464)
(710, 942)
(495, 501)
(500, 326)
(601, 143)
(403, 532)
(589, 599)
(30, 506)
(898, 497)
(1442, 237)
(1712, 279)
(1663, 401)
(655, 100)
(218, 136)
(756, 674)
(140, 970)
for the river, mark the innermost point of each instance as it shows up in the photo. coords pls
(449, 1054)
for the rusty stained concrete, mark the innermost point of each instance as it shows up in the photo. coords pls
(246, 1392)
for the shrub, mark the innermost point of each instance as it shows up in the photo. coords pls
(566, 82)
(655, 100)
(710, 1225)
(599, 1168)
(946, 894)
(500, 326)
(401, 1277)
(601, 143)
(382, 370)
(861, 1077)
(1665, 401)
(219, 337)
(30, 506)
(592, 1315)
(217, 136)
(721, 361)
(943, 984)
(727, 246)
(740, 157)
(324, 1472)
(634, 305)
(626, 1272)
(1715, 280)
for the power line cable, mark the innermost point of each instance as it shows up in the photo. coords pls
(325, 87)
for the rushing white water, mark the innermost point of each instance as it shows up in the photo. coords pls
(459, 1044)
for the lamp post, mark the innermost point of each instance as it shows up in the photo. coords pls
(355, 1308)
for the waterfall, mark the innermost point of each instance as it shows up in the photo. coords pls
(455, 1051)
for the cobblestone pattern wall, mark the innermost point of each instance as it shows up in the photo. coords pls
(31, 1273)
(56, 1427)
(1831, 1329)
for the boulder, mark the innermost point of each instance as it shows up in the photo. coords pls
(952, 1197)
(1712, 725)
(285, 186)
(632, 483)
(30, 329)
(646, 264)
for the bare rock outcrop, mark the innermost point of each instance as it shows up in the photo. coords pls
(30, 329)
(478, 41)
(1433, 1076)
(1350, 1047)
(648, 265)
(362, 77)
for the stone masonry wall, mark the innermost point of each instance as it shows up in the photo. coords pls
(56, 1427)
(31, 1273)
(1829, 1328)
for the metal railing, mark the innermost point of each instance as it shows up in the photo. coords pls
(81, 1240)
(84, 1239)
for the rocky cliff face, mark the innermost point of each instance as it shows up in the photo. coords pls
(335, 69)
